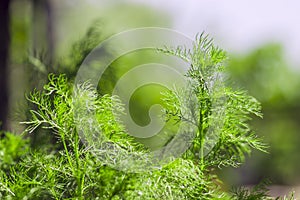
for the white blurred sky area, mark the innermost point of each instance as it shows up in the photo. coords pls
(239, 25)
(236, 25)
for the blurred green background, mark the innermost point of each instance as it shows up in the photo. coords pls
(48, 30)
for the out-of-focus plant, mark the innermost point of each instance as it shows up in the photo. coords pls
(266, 73)
(12, 149)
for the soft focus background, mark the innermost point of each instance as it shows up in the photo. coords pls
(261, 37)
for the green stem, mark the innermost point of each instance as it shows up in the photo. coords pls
(202, 140)
(79, 173)
(202, 116)
(66, 150)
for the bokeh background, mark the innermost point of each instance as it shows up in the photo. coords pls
(261, 38)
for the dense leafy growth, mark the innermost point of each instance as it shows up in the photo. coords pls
(72, 171)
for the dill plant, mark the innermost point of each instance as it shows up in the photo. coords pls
(73, 172)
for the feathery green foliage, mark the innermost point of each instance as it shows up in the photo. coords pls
(74, 171)
(236, 138)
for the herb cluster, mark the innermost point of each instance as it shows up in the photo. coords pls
(71, 170)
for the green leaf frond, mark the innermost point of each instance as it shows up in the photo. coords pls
(259, 191)
(205, 58)
(236, 139)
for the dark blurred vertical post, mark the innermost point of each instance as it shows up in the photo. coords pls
(43, 40)
(4, 52)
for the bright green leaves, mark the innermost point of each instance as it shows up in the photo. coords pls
(223, 138)
(230, 126)
(235, 137)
